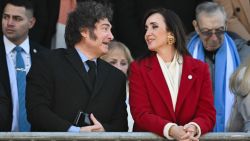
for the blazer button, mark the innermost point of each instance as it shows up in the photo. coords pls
(190, 76)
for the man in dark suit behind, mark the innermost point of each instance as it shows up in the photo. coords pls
(4, 109)
(17, 20)
(60, 85)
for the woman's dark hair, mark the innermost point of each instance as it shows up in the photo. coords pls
(86, 14)
(174, 25)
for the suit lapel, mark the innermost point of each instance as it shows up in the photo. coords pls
(75, 60)
(102, 73)
(188, 78)
(245, 5)
(159, 82)
(33, 50)
(4, 72)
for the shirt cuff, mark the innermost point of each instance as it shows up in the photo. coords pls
(74, 129)
(166, 130)
(198, 134)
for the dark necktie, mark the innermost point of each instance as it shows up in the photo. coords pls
(91, 72)
(23, 123)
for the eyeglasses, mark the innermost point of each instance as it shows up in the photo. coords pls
(208, 33)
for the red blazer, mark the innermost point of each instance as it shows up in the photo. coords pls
(150, 101)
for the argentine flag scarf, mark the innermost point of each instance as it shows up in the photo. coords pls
(226, 61)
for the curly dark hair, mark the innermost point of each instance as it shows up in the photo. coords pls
(86, 15)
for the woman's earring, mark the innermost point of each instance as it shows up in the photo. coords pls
(170, 39)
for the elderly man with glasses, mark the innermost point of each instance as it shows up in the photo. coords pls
(223, 52)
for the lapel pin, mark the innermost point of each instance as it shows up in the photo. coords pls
(190, 76)
(34, 50)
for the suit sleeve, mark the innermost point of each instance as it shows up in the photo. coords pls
(5, 111)
(205, 114)
(39, 98)
(141, 108)
(119, 119)
(234, 24)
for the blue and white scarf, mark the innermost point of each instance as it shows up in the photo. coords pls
(226, 62)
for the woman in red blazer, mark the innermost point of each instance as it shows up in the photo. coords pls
(171, 93)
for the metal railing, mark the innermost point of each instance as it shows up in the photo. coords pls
(111, 136)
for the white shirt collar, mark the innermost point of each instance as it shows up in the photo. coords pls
(9, 46)
(83, 57)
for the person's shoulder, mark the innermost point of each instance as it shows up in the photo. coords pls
(113, 70)
(145, 60)
(198, 67)
(108, 66)
(190, 35)
(34, 46)
(51, 55)
(239, 41)
(194, 62)
(59, 51)
(241, 44)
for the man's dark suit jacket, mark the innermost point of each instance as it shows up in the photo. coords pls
(5, 99)
(4, 110)
(57, 88)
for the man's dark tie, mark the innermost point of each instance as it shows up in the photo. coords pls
(92, 72)
(23, 123)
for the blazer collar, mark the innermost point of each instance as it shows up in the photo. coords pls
(75, 60)
(34, 49)
(4, 72)
(102, 70)
(187, 80)
(102, 75)
(158, 80)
